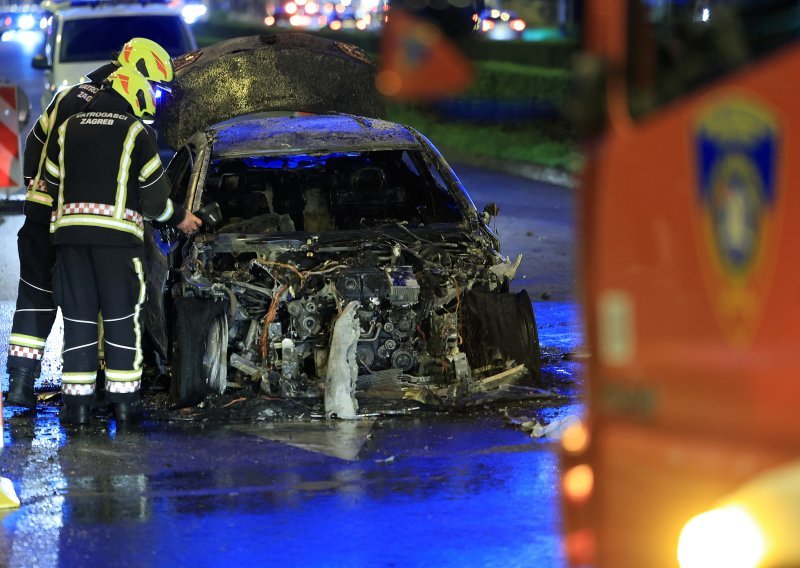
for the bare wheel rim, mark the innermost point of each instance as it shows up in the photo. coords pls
(215, 357)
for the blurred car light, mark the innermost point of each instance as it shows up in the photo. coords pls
(29, 39)
(727, 536)
(269, 20)
(193, 12)
(300, 20)
(290, 8)
(26, 22)
(487, 25)
(517, 25)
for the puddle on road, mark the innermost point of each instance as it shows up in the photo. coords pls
(343, 440)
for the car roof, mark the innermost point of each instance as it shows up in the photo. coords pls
(112, 10)
(273, 133)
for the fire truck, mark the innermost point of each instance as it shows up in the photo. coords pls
(690, 451)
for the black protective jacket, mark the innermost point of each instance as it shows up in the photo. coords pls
(106, 178)
(66, 103)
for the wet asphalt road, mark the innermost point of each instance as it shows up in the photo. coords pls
(427, 489)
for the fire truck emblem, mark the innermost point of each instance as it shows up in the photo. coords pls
(736, 142)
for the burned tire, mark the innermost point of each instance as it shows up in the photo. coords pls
(215, 356)
(191, 370)
(501, 324)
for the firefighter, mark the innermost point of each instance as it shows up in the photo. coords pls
(103, 169)
(36, 311)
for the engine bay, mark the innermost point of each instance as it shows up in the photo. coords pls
(376, 235)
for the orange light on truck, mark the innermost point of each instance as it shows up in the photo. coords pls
(578, 483)
(575, 438)
(581, 547)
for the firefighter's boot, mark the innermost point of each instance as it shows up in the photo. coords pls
(76, 414)
(128, 412)
(20, 388)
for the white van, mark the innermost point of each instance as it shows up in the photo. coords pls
(82, 38)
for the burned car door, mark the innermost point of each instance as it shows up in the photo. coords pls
(197, 328)
(162, 245)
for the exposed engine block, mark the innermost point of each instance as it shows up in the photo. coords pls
(286, 304)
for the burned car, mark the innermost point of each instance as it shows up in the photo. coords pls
(326, 217)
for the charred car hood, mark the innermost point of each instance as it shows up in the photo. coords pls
(268, 73)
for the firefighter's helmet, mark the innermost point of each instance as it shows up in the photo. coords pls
(148, 58)
(134, 88)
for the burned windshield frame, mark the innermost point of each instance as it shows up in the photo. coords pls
(678, 46)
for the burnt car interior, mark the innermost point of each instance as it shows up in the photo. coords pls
(337, 191)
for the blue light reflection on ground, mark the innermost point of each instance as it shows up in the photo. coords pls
(559, 325)
(463, 490)
(466, 509)
(491, 528)
(40, 487)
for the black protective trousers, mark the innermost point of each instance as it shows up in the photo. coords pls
(89, 280)
(36, 311)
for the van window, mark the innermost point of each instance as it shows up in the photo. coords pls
(97, 39)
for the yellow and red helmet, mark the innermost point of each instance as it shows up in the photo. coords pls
(134, 88)
(148, 58)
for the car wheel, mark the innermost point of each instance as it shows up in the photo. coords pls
(199, 336)
(501, 324)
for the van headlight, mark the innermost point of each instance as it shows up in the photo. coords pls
(726, 537)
